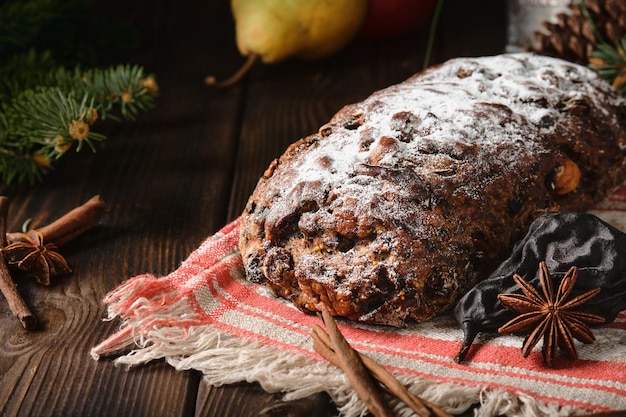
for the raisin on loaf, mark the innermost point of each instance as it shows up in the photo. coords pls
(402, 202)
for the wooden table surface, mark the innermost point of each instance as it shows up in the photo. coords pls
(172, 178)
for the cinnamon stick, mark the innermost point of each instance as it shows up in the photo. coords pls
(71, 224)
(7, 286)
(327, 348)
(322, 344)
(421, 407)
(365, 386)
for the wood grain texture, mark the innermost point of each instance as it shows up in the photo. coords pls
(171, 179)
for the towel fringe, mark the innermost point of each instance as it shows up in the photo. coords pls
(226, 359)
(160, 321)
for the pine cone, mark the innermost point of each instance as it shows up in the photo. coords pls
(573, 37)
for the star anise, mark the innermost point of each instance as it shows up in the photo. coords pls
(550, 314)
(29, 253)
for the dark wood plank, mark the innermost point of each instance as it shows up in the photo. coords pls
(471, 28)
(283, 103)
(166, 179)
(243, 400)
(303, 96)
(250, 400)
(171, 179)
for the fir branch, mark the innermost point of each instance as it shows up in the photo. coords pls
(15, 166)
(610, 63)
(608, 60)
(125, 87)
(21, 168)
(48, 102)
(24, 71)
(40, 125)
(45, 117)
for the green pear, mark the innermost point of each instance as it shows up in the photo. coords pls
(276, 30)
(307, 29)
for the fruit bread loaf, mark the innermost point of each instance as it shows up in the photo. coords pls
(404, 201)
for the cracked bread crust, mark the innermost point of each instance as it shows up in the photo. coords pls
(404, 201)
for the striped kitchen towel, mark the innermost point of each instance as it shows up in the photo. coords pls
(206, 316)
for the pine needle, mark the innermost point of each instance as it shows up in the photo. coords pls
(47, 108)
(610, 63)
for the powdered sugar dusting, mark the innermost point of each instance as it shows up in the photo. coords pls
(484, 103)
(403, 201)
